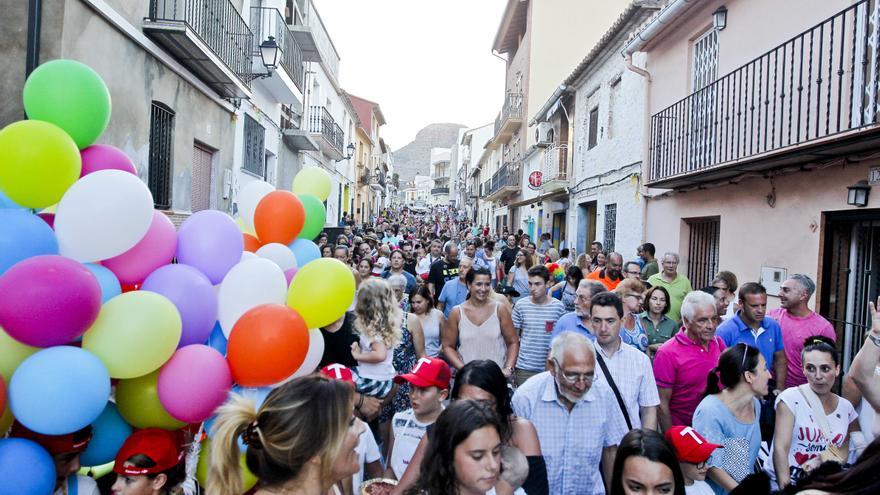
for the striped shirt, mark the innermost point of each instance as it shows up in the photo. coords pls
(535, 323)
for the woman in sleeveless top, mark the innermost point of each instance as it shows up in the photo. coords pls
(430, 319)
(466, 338)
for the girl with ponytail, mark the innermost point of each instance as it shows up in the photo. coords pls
(301, 440)
(730, 416)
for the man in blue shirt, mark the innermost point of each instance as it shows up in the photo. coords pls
(579, 319)
(455, 291)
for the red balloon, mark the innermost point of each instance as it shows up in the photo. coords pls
(266, 345)
(279, 217)
(251, 243)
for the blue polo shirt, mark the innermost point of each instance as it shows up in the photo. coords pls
(453, 294)
(769, 341)
(571, 322)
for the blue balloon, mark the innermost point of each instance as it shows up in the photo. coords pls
(23, 235)
(109, 432)
(59, 390)
(25, 468)
(258, 394)
(217, 340)
(6, 203)
(305, 251)
(110, 287)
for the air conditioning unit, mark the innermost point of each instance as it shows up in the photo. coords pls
(544, 134)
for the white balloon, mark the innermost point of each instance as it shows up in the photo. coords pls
(313, 356)
(103, 215)
(278, 253)
(250, 197)
(247, 285)
(247, 255)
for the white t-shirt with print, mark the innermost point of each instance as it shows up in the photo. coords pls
(807, 439)
(367, 451)
(699, 487)
(408, 432)
(84, 486)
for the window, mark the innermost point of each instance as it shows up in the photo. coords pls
(613, 98)
(703, 250)
(594, 128)
(202, 171)
(161, 154)
(610, 227)
(705, 68)
(254, 151)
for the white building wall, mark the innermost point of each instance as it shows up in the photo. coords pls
(609, 172)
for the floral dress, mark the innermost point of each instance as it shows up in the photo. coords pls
(404, 358)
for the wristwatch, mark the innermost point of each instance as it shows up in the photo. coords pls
(874, 338)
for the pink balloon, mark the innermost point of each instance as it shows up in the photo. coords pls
(154, 250)
(48, 300)
(105, 157)
(48, 218)
(289, 274)
(194, 382)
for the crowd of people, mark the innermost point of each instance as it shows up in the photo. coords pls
(480, 362)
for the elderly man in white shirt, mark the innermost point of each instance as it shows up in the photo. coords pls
(579, 425)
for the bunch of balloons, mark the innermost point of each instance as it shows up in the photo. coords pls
(112, 317)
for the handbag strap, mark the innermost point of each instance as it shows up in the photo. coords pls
(818, 411)
(614, 389)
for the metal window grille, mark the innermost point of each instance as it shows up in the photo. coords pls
(594, 128)
(703, 248)
(705, 59)
(254, 147)
(201, 178)
(610, 226)
(161, 154)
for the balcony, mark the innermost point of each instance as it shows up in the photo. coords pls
(326, 132)
(292, 135)
(506, 180)
(209, 37)
(811, 99)
(511, 117)
(286, 82)
(439, 190)
(377, 181)
(554, 170)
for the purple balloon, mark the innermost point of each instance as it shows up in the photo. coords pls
(289, 274)
(192, 293)
(211, 242)
(193, 383)
(48, 300)
(105, 157)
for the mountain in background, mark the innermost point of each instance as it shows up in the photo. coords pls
(415, 157)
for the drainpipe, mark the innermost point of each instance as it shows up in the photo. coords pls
(34, 28)
(646, 135)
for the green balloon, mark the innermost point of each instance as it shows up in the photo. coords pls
(70, 95)
(38, 163)
(316, 215)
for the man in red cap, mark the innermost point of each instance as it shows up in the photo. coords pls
(693, 452)
(429, 382)
(65, 451)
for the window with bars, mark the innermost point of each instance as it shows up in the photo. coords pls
(254, 147)
(161, 154)
(202, 172)
(610, 226)
(703, 249)
(593, 138)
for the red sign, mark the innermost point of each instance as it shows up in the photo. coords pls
(535, 180)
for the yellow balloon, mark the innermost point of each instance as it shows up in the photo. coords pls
(97, 472)
(313, 180)
(135, 333)
(38, 162)
(247, 477)
(12, 353)
(244, 227)
(138, 402)
(322, 291)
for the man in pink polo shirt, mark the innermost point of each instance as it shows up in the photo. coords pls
(798, 323)
(683, 362)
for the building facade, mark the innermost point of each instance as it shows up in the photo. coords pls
(441, 175)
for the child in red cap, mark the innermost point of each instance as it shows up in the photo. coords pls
(65, 451)
(429, 380)
(693, 451)
(150, 462)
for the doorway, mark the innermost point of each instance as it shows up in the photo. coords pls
(586, 226)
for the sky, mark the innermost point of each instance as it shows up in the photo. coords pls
(423, 61)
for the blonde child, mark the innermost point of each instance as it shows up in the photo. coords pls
(378, 324)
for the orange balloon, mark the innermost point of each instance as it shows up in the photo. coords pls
(266, 345)
(279, 217)
(251, 243)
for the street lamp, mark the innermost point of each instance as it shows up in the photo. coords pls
(269, 52)
(719, 18)
(857, 194)
(350, 149)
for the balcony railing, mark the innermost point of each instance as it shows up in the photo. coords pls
(511, 114)
(218, 24)
(440, 190)
(508, 175)
(267, 22)
(321, 122)
(555, 164)
(820, 84)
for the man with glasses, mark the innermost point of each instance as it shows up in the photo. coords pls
(578, 425)
(629, 369)
(683, 362)
(579, 319)
(632, 270)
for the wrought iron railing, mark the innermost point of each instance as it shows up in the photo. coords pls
(321, 122)
(440, 190)
(512, 109)
(218, 24)
(267, 22)
(555, 163)
(508, 175)
(818, 84)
